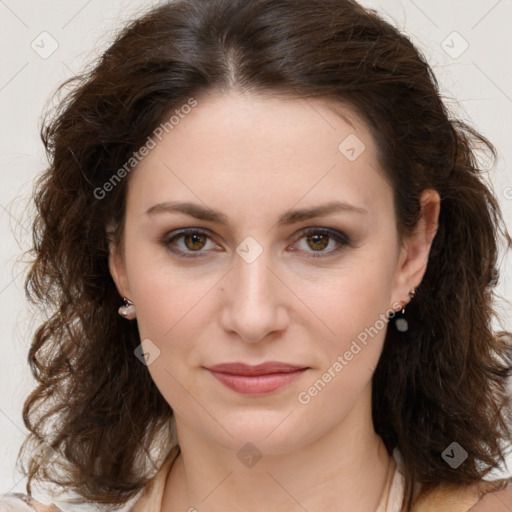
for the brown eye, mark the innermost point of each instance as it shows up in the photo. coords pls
(195, 241)
(318, 242)
(189, 243)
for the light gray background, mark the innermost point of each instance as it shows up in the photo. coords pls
(477, 84)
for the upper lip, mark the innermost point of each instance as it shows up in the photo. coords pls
(259, 369)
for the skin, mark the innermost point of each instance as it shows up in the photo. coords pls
(500, 501)
(254, 158)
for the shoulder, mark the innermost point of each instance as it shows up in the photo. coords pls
(486, 496)
(18, 502)
(496, 500)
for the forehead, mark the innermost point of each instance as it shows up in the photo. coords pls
(243, 149)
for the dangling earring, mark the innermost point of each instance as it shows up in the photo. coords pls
(127, 310)
(401, 323)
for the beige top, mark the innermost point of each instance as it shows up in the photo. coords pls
(444, 497)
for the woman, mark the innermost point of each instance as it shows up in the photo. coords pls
(303, 253)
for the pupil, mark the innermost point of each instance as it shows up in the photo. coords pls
(196, 239)
(318, 238)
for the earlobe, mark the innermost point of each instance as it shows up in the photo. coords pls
(118, 273)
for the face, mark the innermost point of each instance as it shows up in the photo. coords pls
(287, 252)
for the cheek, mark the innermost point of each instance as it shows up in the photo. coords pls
(349, 361)
(173, 313)
(167, 295)
(169, 306)
(355, 307)
(356, 295)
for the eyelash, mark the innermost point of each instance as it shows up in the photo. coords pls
(341, 238)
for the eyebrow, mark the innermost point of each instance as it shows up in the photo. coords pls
(289, 217)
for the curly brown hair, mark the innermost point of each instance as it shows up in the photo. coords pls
(94, 403)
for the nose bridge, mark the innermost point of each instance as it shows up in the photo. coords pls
(253, 277)
(251, 269)
(253, 305)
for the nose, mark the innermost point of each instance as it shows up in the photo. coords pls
(254, 305)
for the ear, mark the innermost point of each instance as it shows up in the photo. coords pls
(116, 265)
(415, 250)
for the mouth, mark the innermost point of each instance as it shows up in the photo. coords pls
(258, 379)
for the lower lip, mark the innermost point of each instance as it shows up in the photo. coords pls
(258, 384)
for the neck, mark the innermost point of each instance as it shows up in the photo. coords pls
(344, 470)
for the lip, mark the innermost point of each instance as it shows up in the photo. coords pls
(256, 379)
(254, 370)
